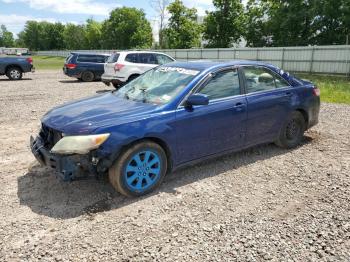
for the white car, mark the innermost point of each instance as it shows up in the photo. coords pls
(125, 66)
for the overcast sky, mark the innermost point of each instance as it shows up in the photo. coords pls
(14, 13)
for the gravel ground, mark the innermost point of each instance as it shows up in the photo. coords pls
(264, 203)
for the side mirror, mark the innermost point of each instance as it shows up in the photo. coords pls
(197, 100)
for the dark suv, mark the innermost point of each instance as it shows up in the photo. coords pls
(85, 66)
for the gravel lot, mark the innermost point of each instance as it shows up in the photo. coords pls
(261, 204)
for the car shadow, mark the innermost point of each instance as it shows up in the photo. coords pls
(47, 195)
(71, 81)
(103, 91)
(76, 81)
(8, 80)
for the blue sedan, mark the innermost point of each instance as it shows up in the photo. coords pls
(175, 115)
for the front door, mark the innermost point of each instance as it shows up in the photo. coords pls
(205, 130)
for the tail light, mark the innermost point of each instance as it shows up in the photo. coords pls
(316, 91)
(118, 67)
(30, 60)
(71, 66)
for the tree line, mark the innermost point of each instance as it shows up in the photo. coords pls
(258, 23)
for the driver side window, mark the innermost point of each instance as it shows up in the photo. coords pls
(222, 84)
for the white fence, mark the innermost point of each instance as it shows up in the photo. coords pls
(310, 59)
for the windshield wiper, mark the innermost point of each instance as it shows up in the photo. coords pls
(144, 94)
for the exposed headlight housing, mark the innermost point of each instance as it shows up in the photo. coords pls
(79, 144)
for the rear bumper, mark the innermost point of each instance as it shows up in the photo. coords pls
(313, 113)
(71, 73)
(68, 167)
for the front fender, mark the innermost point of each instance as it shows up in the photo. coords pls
(155, 127)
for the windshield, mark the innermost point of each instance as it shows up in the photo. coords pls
(158, 86)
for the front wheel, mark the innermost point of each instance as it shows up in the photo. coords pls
(139, 170)
(292, 131)
(14, 73)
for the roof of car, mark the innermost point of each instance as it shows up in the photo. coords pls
(141, 52)
(88, 53)
(205, 64)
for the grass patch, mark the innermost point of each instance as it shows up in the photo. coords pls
(333, 89)
(48, 62)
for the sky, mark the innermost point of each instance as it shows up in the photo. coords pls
(14, 13)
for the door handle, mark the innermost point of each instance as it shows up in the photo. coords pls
(239, 104)
(288, 93)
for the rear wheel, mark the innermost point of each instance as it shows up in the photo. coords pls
(139, 170)
(14, 73)
(116, 86)
(132, 77)
(87, 76)
(292, 131)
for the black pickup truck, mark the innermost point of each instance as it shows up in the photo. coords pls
(14, 67)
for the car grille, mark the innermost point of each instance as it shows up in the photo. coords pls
(49, 136)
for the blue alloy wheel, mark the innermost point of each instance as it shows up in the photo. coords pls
(140, 169)
(143, 170)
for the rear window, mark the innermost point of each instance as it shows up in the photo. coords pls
(69, 58)
(113, 58)
(91, 58)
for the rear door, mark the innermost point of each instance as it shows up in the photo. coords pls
(269, 99)
(86, 62)
(146, 61)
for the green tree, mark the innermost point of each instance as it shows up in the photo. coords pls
(127, 28)
(291, 22)
(42, 36)
(74, 37)
(93, 34)
(6, 37)
(331, 22)
(19, 42)
(256, 30)
(182, 31)
(224, 26)
(31, 35)
(51, 36)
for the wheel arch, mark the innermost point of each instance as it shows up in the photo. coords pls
(304, 114)
(158, 141)
(13, 65)
(133, 74)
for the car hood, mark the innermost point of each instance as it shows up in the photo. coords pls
(84, 116)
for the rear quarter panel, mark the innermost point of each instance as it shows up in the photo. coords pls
(308, 102)
(14, 61)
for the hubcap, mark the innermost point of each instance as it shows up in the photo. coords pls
(292, 130)
(14, 74)
(143, 170)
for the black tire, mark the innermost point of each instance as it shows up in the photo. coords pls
(14, 73)
(132, 77)
(118, 174)
(116, 86)
(87, 76)
(292, 131)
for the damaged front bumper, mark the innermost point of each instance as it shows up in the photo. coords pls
(69, 167)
